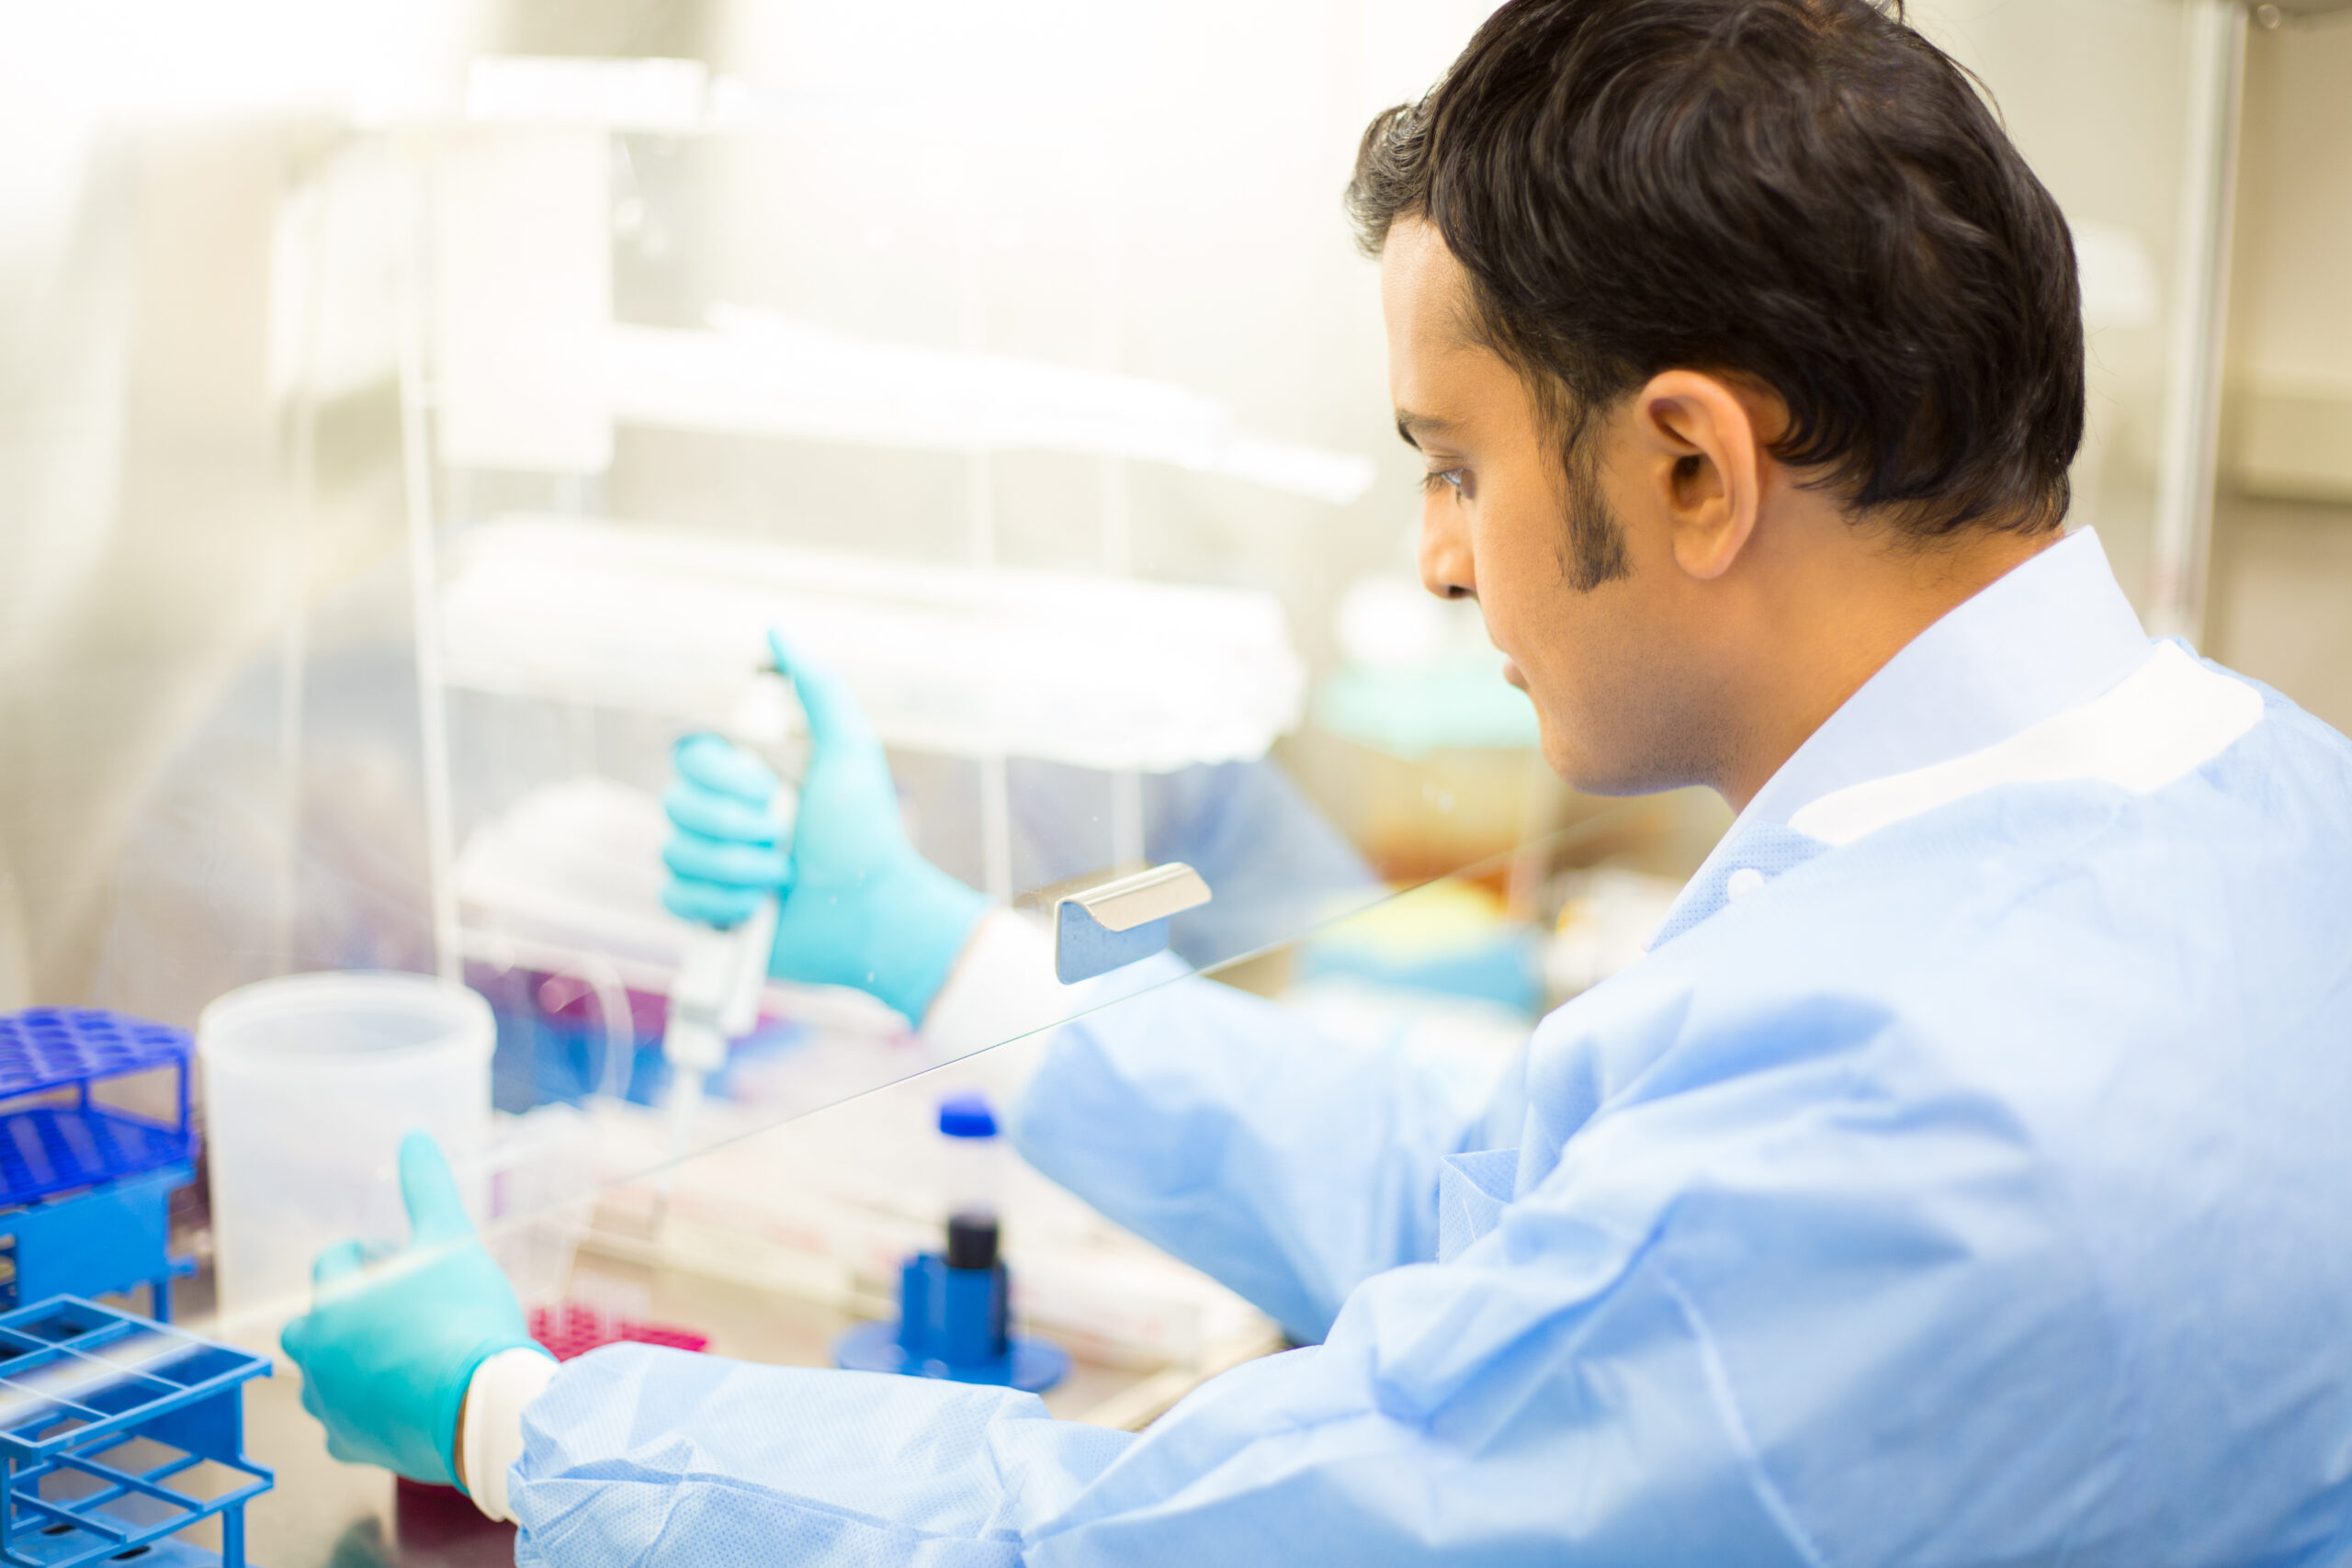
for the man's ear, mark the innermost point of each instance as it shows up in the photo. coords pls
(1700, 447)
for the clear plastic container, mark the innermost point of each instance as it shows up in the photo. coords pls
(309, 1083)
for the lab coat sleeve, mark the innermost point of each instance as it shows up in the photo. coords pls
(1213, 1123)
(1226, 1130)
(639, 1458)
(1790, 1320)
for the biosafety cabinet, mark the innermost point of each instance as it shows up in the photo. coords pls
(681, 361)
(1044, 404)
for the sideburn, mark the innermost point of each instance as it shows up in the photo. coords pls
(1592, 547)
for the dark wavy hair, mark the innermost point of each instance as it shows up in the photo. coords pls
(1806, 193)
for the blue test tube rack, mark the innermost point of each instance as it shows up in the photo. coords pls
(86, 1186)
(99, 1413)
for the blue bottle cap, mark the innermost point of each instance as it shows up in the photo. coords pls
(966, 1116)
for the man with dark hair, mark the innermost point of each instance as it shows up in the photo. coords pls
(1962, 1177)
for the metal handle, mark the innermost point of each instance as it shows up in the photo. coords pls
(1114, 923)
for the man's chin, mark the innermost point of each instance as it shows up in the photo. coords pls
(1581, 769)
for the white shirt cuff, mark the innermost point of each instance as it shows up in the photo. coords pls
(502, 1386)
(1003, 988)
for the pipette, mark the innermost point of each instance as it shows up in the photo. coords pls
(715, 997)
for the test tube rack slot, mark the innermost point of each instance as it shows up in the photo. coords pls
(100, 1413)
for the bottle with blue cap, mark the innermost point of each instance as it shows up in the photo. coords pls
(955, 1304)
(971, 1159)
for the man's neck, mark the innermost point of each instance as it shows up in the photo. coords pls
(1837, 620)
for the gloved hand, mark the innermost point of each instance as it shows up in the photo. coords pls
(389, 1346)
(860, 906)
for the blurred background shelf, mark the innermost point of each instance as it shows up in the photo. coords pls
(1101, 673)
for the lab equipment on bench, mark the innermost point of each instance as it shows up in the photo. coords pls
(830, 1215)
(114, 1407)
(954, 1305)
(86, 1185)
(310, 1082)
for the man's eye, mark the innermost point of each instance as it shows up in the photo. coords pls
(1453, 476)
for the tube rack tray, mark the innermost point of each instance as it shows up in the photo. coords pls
(106, 1409)
(51, 1145)
(571, 1329)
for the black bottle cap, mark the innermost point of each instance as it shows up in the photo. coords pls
(971, 1241)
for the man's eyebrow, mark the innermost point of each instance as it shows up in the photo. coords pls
(1410, 427)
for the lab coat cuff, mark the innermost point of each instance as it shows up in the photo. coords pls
(495, 1398)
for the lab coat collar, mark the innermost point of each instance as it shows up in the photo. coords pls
(2052, 635)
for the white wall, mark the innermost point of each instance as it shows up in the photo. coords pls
(2282, 601)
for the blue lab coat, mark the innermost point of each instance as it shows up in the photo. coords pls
(1964, 1177)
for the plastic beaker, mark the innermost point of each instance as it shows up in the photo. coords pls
(309, 1083)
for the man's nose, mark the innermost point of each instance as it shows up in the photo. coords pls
(1446, 567)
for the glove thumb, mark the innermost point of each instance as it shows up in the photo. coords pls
(835, 721)
(436, 1212)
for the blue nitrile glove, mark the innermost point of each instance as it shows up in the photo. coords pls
(860, 906)
(389, 1346)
